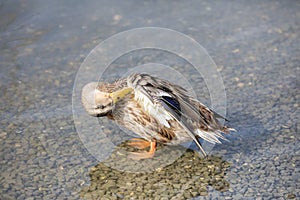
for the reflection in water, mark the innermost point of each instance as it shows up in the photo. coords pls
(189, 176)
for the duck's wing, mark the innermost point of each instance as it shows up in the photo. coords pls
(166, 101)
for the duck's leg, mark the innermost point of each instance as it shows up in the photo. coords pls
(145, 154)
(138, 143)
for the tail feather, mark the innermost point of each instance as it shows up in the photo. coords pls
(211, 137)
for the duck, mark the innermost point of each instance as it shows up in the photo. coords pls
(158, 111)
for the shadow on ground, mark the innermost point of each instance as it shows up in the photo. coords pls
(189, 176)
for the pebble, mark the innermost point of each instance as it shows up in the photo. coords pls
(181, 180)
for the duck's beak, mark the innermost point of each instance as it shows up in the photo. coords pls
(117, 95)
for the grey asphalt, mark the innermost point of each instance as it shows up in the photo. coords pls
(256, 48)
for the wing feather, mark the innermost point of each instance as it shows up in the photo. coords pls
(166, 101)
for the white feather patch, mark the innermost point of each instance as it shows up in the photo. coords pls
(208, 136)
(163, 93)
(154, 110)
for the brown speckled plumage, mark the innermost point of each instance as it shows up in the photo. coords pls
(155, 109)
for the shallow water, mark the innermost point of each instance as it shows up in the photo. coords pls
(256, 49)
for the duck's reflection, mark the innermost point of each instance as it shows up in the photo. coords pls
(187, 177)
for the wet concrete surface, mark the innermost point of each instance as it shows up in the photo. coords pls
(256, 46)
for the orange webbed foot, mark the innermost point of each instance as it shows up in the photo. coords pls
(143, 144)
(138, 143)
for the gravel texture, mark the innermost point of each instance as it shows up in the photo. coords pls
(255, 45)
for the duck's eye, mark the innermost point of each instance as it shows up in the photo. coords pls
(100, 106)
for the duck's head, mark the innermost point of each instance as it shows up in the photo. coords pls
(95, 102)
(99, 104)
